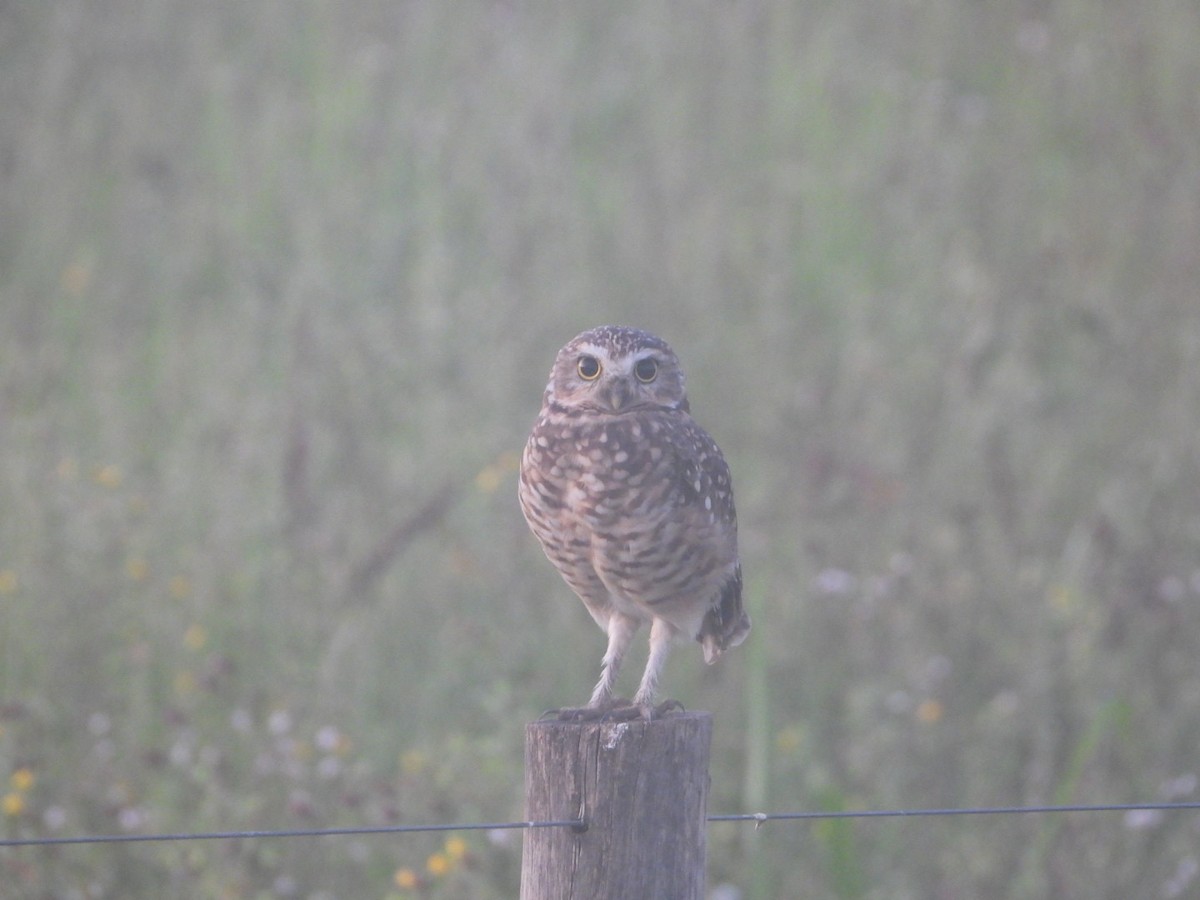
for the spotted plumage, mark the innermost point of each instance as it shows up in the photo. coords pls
(632, 502)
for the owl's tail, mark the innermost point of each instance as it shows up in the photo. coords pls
(726, 623)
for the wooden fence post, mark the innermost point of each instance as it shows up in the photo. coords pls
(642, 790)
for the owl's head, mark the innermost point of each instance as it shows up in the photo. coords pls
(613, 370)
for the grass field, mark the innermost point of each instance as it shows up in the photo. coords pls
(279, 287)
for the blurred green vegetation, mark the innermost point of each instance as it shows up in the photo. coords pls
(279, 287)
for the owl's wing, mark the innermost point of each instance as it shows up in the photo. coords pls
(705, 493)
(704, 485)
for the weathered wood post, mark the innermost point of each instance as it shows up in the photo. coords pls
(642, 790)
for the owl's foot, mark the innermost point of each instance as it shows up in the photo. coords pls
(600, 712)
(617, 710)
(667, 706)
(629, 712)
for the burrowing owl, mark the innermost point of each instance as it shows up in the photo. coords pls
(632, 501)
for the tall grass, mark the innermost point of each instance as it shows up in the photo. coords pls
(279, 287)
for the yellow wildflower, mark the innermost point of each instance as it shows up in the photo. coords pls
(494, 474)
(1062, 599)
(488, 479)
(13, 804)
(137, 569)
(406, 879)
(195, 637)
(412, 762)
(790, 740)
(438, 864)
(456, 848)
(108, 476)
(930, 711)
(22, 779)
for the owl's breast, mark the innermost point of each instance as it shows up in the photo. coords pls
(614, 470)
(597, 474)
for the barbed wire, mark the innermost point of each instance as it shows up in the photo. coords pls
(580, 825)
(285, 833)
(761, 818)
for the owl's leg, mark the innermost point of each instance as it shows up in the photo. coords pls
(603, 706)
(620, 632)
(662, 633)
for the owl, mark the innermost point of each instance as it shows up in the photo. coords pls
(632, 502)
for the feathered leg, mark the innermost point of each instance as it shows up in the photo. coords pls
(662, 633)
(620, 632)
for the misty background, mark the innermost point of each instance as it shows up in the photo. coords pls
(280, 284)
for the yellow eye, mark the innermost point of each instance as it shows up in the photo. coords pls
(645, 370)
(589, 368)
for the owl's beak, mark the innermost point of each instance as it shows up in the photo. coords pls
(618, 395)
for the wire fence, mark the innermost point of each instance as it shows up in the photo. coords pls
(284, 833)
(758, 819)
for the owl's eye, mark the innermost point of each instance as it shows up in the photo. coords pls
(645, 370)
(589, 368)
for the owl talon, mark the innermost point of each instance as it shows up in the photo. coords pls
(633, 711)
(600, 713)
(667, 706)
(565, 714)
(612, 711)
(625, 713)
